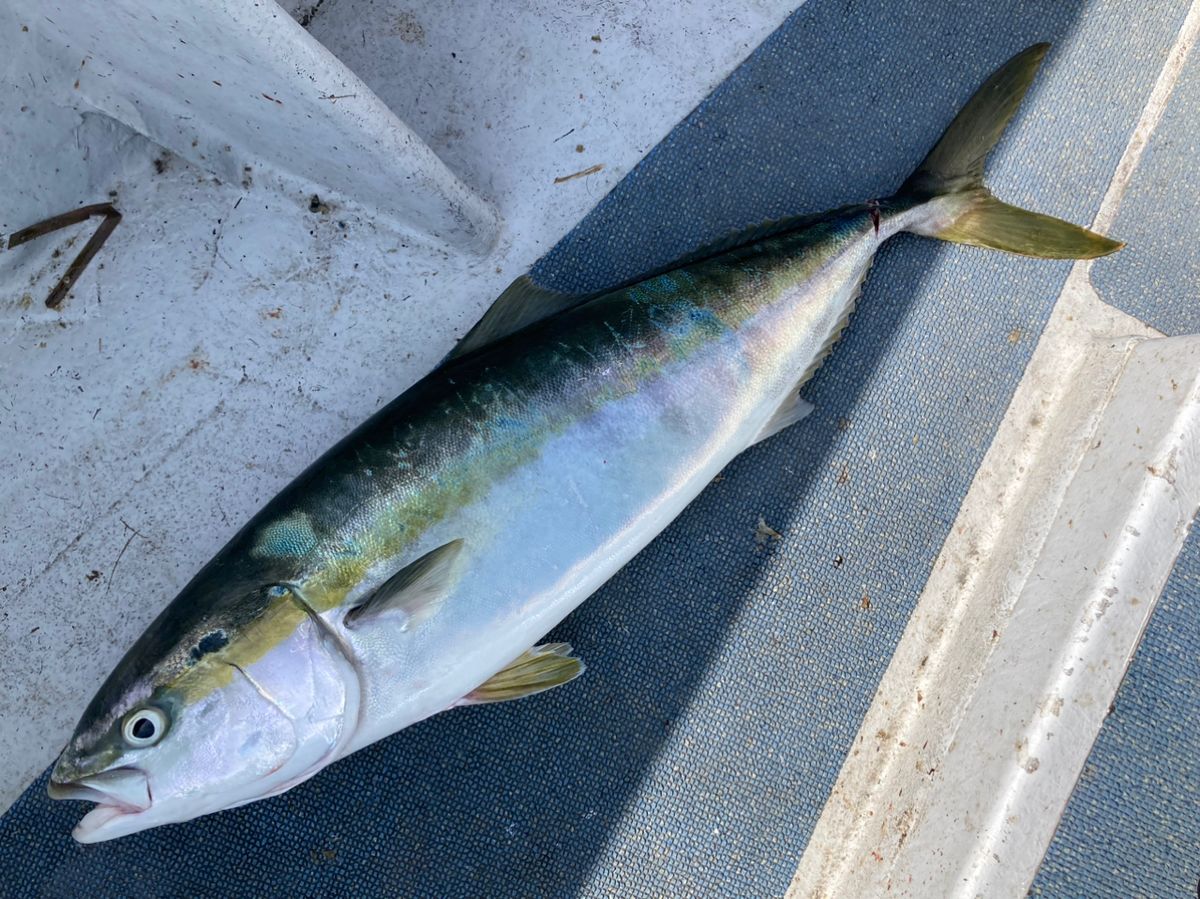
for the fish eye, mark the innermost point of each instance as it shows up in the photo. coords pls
(144, 727)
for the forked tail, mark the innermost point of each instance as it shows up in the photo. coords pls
(963, 210)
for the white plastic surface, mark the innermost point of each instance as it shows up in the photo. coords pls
(1005, 778)
(227, 84)
(990, 706)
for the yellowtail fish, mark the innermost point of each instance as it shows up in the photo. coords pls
(415, 566)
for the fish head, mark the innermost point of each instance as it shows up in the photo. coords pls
(214, 717)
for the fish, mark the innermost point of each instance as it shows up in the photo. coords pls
(416, 565)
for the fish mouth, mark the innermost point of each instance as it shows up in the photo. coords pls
(119, 793)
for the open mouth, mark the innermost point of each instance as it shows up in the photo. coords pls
(122, 792)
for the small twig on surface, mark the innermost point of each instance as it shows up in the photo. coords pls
(590, 170)
(90, 249)
(134, 532)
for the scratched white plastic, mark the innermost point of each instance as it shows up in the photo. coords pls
(1006, 776)
(983, 721)
(992, 701)
(226, 83)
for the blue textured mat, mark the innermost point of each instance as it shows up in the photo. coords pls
(1132, 827)
(1157, 277)
(726, 680)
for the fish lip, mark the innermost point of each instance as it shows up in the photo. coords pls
(125, 790)
(105, 822)
(68, 790)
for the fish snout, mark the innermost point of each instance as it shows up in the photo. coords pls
(127, 789)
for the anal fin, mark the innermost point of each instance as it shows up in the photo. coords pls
(535, 670)
(791, 411)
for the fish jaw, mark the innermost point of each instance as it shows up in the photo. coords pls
(127, 805)
(114, 817)
(124, 800)
(127, 789)
(106, 822)
(122, 793)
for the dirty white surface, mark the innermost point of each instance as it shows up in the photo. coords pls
(1048, 685)
(980, 727)
(232, 328)
(232, 86)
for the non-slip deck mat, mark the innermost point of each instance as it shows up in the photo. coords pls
(1157, 276)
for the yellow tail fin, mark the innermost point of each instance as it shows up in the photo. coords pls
(954, 170)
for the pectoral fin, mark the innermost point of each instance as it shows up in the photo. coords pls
(535, 670)
(417, 590)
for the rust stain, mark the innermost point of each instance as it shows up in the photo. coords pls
(407, 27)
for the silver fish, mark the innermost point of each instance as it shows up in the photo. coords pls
(415, 566)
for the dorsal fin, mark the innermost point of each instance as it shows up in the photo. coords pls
(418, 589)
(521, 304)
(524, 302)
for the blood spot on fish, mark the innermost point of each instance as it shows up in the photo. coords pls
(210, 642)
(873, 207)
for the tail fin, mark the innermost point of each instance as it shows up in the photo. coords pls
(954, 170)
